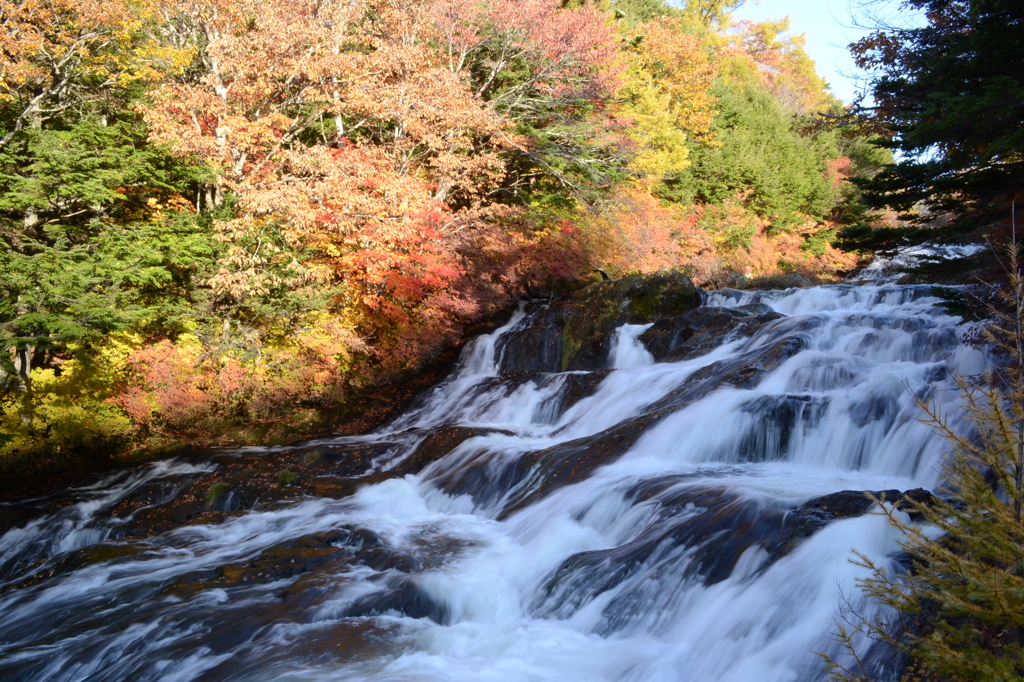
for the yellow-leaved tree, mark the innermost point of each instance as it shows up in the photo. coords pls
(667, 95)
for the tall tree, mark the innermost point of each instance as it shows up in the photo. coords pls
(764, 158)
(667, 96)
(950, 94)
(552, 71)
(74, 170)
(349, 150)
(57, 55)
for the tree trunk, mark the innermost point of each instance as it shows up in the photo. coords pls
(23, 367)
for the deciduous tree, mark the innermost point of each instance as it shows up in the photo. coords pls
(57, 55)
(349, 148)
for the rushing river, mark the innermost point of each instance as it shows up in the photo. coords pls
(657, 528)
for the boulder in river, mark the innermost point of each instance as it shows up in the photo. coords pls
(575, 332)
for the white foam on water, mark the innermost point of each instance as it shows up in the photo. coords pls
(885, 268)
(627, 350)
(591, 579)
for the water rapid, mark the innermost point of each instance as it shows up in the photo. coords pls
(669, 516)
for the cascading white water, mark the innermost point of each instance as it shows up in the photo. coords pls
(627, 350)
(679, 556)
(890, 268)
(478, 362)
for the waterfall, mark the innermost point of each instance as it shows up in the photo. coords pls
(653, 520)
(627, 350)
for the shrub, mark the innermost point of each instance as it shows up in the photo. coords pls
(63, 419)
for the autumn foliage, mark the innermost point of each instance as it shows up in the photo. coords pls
(303, 200)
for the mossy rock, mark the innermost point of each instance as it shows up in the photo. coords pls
(595, 312)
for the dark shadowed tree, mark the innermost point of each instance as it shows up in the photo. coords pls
(950, 94)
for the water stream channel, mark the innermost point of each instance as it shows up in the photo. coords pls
(675, 515)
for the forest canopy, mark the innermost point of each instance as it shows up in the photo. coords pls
(226, 220)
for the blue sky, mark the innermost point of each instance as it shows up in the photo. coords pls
(828, 27)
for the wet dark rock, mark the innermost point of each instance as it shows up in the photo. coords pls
(881, 407)
(152, 495)
(743, 371)
(405, 598)
(776, 418)
(345, 641)
(328, 551)
(435, 446)
(789, 280)
(535, 348)
(282, 562)
(818, 512)
(598, 310)
(436, 549)
(484, 475)
(695, 333)
(849, 503)
(541, 472)
(202, 501)
(27, 509)
(573, 387)
(489, 477)
(342, 459)
(243, 480)
(277, 632)
(438, 444)
(14, 517)
(240, 492)
(73, 561)
(577, 386)
(845, 503)
(719, 525)
(154, 519)
(748, 371)
(340, 487)
(757, 309)
(592, 353)
(98, 553)
(575, 333)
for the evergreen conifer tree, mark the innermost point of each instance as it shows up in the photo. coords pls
(950, 95)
